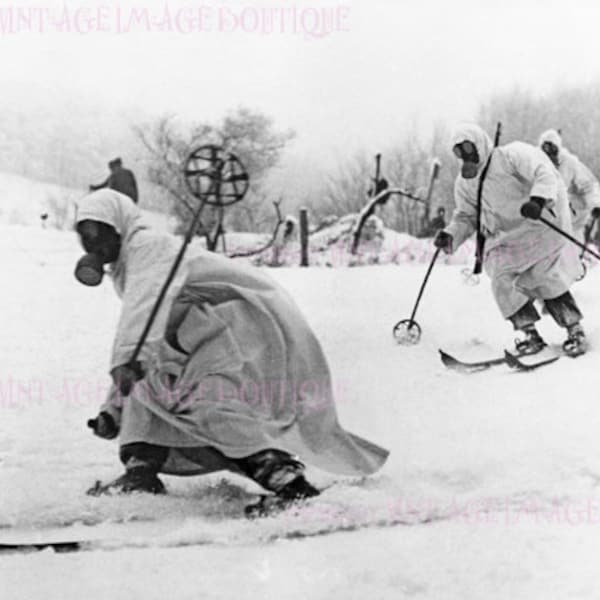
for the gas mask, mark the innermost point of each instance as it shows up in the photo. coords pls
(467, 152)
(552, 152)
(89, 269)
(102, 244)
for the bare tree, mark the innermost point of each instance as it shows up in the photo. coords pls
(406, 165)
(248, 134)
(525, 115)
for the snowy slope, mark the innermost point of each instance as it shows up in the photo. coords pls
(23, 200)
(506, 465)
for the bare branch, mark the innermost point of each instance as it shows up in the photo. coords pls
(280, 222)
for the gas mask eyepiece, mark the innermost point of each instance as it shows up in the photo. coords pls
(467, 152)
(551, 151)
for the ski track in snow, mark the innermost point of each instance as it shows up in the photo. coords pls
(487, 457)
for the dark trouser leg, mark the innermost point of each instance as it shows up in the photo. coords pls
(564, 310)
(140, 455)
(273, 469)
(278, 472)
(525, 317)
(142, 462)
(524, 320)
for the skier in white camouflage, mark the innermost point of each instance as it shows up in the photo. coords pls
(525, 259)
(231, 375)
(582, 186)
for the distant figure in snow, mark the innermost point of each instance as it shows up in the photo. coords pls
(287, 234)
(120, 179)
(437, 223)
(290, 231)
(374, 229)
(582, 187)
(525, 259)
(231, 375)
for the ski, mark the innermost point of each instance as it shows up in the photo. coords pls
(68, 546)
(469, 367)
(514, 363)
(305, 530)
(512, 360)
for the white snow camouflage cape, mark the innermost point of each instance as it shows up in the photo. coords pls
(253, 375)
(583, 189)
(524, 258)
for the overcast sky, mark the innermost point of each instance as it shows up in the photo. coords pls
(392, 64)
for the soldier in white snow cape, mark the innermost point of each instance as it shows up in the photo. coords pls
(230, 377)
(525, 259)
(582, 187)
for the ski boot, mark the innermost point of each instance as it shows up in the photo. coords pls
(133, 480)
(297, 490)
(531, 344)
(575, 344)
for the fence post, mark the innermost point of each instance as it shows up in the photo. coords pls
(303, 237)
(433, 175)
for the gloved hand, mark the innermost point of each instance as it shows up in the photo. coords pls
(104, 426)
(124, 376)
(533, 208)
(596, 212)
(444, 240)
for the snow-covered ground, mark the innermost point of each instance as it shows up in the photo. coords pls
(24, 200)
(491, 489)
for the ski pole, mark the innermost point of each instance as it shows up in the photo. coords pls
(480, 237)
(408, 331)
(568, 236)
(163, 292)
